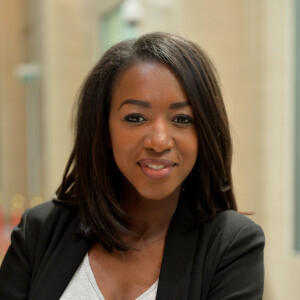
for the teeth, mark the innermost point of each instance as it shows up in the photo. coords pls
(156, 167)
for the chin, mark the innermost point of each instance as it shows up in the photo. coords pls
(152, 192)
(160, 195)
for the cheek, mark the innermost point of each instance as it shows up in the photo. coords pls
(117, 137)
(123, 137)
(190, 145)
(124, 147)
(191, 152)
(118, 131)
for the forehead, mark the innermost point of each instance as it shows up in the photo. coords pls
(148, 81)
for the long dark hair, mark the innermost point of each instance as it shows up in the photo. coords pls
(91, 180)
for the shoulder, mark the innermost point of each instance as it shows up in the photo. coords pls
(230, 254)
(50, 219)
(44, 245)
(44, 226)
(49, 210)
(230, 222)
(232, 232)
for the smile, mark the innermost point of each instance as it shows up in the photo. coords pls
(156, 168)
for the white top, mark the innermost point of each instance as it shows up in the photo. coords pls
(83, 285)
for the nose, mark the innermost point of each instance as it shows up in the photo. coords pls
(159, 137)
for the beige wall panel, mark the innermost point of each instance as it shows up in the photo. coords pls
(12, 101)
(283, 264)
(68, 55)
(160, 15)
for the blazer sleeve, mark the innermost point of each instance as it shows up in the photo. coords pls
(15, 271)
(240, 271)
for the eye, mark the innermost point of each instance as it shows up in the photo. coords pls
(183, 120)
(134, 118)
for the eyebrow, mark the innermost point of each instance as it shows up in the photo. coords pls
(148, 105)
(136, 102)
(179, 105)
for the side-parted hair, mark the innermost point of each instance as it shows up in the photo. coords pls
(91, 180)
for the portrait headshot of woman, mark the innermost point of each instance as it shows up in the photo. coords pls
(146, 207)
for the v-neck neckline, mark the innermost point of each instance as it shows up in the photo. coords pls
(92, 279)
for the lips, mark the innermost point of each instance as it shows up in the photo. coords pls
(156, 168)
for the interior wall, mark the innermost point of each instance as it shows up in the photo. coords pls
(67, 55)
(13, 171)
(283, 263)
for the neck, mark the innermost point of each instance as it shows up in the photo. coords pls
(149, 219)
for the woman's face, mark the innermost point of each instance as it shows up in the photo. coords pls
(152, 135)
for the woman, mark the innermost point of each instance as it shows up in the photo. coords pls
(146, 208)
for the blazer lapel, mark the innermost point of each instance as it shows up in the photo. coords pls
(61, 266)
(178, 257)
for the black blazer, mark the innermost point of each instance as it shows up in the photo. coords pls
(219, 260)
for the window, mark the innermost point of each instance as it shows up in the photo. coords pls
(115, 28)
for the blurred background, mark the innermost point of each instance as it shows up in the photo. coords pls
(48, 46)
